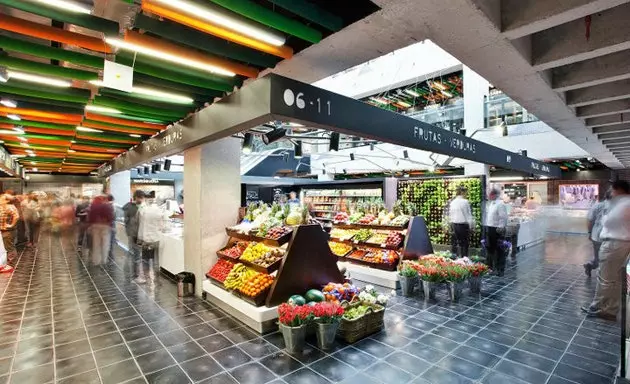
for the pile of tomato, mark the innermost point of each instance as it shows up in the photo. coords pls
(220, 270)
(256, 285)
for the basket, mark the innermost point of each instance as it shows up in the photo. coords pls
(354, 330)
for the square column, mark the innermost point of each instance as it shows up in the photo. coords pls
(212, 196)
(475, 90)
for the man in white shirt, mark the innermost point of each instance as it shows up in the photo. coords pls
(152, 222)
(461, 221)
(496, 221)
(613, 254)
(595, 218)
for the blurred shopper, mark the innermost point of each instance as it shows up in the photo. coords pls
(4, 262)
(100, 218)
(20, 228)
(32, 217)
(112, 238)
(613, 254)
(293, 201)
(132, 226)
(81, 213)
(8, 220)
(595, 220)
(496, 221)
(152, 222)
(66, 220)
(461, 223)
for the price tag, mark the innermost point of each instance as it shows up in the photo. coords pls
(356, 241)
(384, 245)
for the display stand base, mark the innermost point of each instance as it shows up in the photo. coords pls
(260, 319)
(388, 279)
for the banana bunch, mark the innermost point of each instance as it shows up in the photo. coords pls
(238, 275)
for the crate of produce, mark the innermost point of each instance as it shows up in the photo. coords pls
(262, 258)
(220, 271)
(233, 251)
(382, 259)
(340, 249)
(357, 254)
(360, 320)
(255, 289)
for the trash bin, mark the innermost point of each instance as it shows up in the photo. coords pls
(185, 284)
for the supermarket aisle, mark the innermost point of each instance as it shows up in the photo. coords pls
(67, 322)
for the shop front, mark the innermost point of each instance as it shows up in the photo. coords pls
(280, 249)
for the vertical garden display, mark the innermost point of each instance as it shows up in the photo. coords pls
(430, 198)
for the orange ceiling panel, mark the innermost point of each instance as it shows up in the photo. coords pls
(90, 148)
(48, 131)
(129, 141)
(130, 123)
(44, 120)
(74, 119)
(117, 129)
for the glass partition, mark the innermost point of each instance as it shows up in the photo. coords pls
(499, 107)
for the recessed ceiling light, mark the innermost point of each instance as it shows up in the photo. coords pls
(67, 6)
(8, 103)
(49, 81)
(134, 135)
(21, 138)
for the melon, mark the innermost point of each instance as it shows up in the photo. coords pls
(315, 295)
(296, 300)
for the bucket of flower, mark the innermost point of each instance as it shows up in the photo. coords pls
(408, 278)
(363, 316)
(456, 275)
(293, 320)
(476, 272)
(431, 275)
(327, 319)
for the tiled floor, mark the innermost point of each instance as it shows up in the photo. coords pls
(67, 322)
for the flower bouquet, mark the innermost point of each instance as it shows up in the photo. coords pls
(408, 277)
(293, 320)
(476, 271)
(370, 295)
(456, 274)
(327, 318)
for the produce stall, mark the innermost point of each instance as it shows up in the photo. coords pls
(325, 203)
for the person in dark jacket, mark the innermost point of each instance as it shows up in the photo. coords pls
(81, 213)
(100, 219)
(132, 225)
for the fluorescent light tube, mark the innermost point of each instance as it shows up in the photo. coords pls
(14, 117)
(22, 138)
(165, 96)
(168, 57)
(218, 18)
(447, 94)
(134, 135)
(67, 6)
(8, 103)
(380, 101)
(412, 93)
(96, 108)
(10, 132)
(28, 77)
(86, 129)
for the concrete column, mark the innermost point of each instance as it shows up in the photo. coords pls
(478, 169)
(120, 187)
(475, 88)
(212, 196)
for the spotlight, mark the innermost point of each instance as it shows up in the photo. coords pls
(167, 165)
(297, 149)
(273, 136)
(371, 146)
(334, 141)
(406, 154)
(345, 171)
(4, 75)
(352, 156)
(140, 170)
(247, 143)
(147, 170)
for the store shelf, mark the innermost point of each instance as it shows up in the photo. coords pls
(372, 226)
(314, 203)
(322, 211)
(260, 319)
(270, 242)
(366, 245)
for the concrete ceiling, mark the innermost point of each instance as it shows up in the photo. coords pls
(536, 51)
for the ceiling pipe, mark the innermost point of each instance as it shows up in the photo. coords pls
(45, 32)
(46, 69)
(43, 95)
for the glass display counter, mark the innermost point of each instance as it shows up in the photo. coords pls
(525, 227)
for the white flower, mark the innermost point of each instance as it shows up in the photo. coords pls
(369, 288)
(382, 299)
(393, 292)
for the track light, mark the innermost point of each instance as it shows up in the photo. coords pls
(247, 143)
(371, 146)
(352, 156)
(406, 154)
(334, 141)
(4, 75)
(345, 171)
(167, 165)
(274, 135)
(297, 149)
(67, 6)
(140, 170)
(146, 170)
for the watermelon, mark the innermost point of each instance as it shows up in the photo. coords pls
(315, 295)
(312, 303)
(296, 300)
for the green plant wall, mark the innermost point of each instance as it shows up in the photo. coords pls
(431, 198)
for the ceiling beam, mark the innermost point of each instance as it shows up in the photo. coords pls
(524, 17)
(616, 135)
(604, 69)
(566, 44)
(603, 109)
(617, 90)
(602, 121)
(612, 128)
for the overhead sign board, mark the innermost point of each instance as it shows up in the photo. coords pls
(275, 97)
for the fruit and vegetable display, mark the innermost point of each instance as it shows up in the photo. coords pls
(355, 217)
(221, 270)
(430, 198)
(311, 297)
(381, 256)
(277, 232)
(238, 276)
(378, 238)
(339, 249)
(399, 221)
(256, 284)
(341, 217)
(343, 234)
(356, 312)
(363, 235)
(367, 219)
(336, 292)
(236, 250)
(260, 254)
(394, 239)
(357, 254)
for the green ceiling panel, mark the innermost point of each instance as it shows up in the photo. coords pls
(312, 13)
(136, 109)
(48, 89)
(43, 95)
(53, 108)
(271, 19)
(196, 93)
(154, 101)
(15, 45)
(105, 26)
(46, 137)
(180, 74)
(97, 137)
(46, 69)
(136, 118)
(203, 41)
(38, 124)
(103, 144)
(27, 99)
(135, 129)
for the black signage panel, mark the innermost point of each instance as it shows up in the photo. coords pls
(315, 106)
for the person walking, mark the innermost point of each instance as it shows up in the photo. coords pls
(152, 222)
(32, 217)
(100, 217)
(132, 226)
(495, 223)
(112, 238)
(595, 216)
(461, 222)
(8, 220)
(613, 254)
(81, 213)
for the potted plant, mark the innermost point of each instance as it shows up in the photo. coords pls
(408, 277)
(476, 272)
(327, 317)
(431, 275)
(455, 276)
(293, 320)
